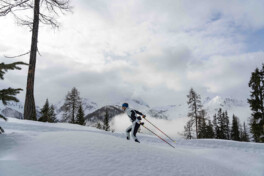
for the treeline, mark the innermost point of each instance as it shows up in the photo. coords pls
(200, 126)
(72, 111)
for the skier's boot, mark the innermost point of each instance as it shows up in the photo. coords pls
(128, 138)
(137, 140)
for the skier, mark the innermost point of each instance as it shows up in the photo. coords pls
(132, 114)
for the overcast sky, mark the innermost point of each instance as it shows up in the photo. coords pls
(149, 49)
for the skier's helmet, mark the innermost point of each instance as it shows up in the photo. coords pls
(125, 105)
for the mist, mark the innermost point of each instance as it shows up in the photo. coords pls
(173, 128)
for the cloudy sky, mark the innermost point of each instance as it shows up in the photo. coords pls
(152, 49)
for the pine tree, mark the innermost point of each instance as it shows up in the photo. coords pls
(98, 125)
(256, 102)
(106, 126)
(188, 130)
(202, 124)
(44, 11)
(80, 116)
(71, 104)
(194, 102)
(235, 133)
(209, 130)
(9, 93)
(45, 112)
(216, 128)
(244, 136)
(52, 115)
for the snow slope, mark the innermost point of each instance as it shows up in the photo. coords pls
(41, 149)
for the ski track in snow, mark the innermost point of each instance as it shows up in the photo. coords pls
(42, 149)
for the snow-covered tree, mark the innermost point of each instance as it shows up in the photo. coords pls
(52, 115)
(188, 130)
(256, 102)
(195, 106)
(244, 135)
(71, 105)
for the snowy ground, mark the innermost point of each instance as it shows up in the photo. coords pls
(41, 149)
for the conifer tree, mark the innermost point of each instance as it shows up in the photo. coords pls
(256, 102)
(244, 136)
(216, 128)
(98, 125)
(80, 116)
(235, 134)
(45, 12)
(52, 115)
(9, 93)
(188, 130)
(106, 126)
(209, 130)
(70, 106)
(45, 112)
(194, 102)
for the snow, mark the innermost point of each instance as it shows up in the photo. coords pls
(41, 149)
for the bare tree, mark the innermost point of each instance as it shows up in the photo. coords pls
(45, 12)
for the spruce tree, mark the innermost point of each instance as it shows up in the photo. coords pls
(9, 93)
(216, 127)
(45, 112)
(256, 102)
(52, 115)
(98, 125)
(244, 136)
(80, 116)
(106, 126)
(235, 134)
(194, 102)
(188, 130)
(209, 130)
(71, 105)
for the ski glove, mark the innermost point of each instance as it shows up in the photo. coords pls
(142, 123)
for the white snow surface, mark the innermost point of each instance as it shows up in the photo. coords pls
(41, 149)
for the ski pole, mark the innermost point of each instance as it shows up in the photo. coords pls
(160, 130)
(159, 137)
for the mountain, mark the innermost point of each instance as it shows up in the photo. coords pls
(99, 114)
(88, 105)
(233, 106)
(12, 109)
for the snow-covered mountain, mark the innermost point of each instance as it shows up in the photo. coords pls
(88, 105)
(12, 109)
(233, 106)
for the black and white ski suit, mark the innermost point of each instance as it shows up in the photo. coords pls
(132, 114)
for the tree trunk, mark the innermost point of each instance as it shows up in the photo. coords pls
(29, 108)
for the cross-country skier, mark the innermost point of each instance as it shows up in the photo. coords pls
(135, 119)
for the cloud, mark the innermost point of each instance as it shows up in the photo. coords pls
(173, 128)
(149, 49)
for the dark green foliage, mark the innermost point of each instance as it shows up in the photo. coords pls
(45, 112)
(256, 102)
(106, 126)
(13, 66)
(221, 125)
(52, 115)
(194, 102)
(235, 133)
(209, 130)
(48, 113)
(80, 116)
(71, 105)
(244, 134)
(99, 126)
(9, 93)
